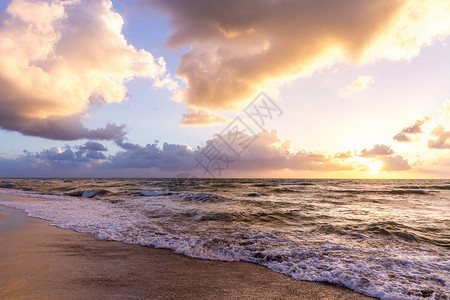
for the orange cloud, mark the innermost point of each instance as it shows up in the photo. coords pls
(202, 117)
(442, 138)
(377, 150)
(236, 47)
(59, 57)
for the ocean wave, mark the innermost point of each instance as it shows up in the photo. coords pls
(7, 186)
(391, 192)
(294, 183)
(388, 230)
(427, 187)
(413, 191)
(255, 194)
(263, 185)
(400, 231)
(53, 181)
(270, 184)
(283, 190)
(89, 193)
(203, 197)
(157, 193)
(279, 218)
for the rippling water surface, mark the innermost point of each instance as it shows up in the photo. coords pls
(384, 238)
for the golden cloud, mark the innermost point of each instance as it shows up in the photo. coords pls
(202, 117)
(59, 57)
(237, 47)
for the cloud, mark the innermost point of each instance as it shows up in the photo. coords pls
(440, 133)
(377, 150)
(169, 157)
(95, 155)
(202, 117)
(56, 157)
(406, 134)
(386, 155)
(395, 163)
(361, 83)
(437, 166)
(266, 152)
(92, 146)
(442, 138)
(59, 57)
(237, 47)
(68, 128)
(55, 162)
(343, 155)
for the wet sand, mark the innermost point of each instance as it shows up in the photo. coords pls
(38, 261)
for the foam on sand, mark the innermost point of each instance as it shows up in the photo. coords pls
(62, 264)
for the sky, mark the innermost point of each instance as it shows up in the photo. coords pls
(257, 88)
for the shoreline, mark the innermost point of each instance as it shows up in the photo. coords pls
(42, 261)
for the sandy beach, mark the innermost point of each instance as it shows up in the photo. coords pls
(39, 261)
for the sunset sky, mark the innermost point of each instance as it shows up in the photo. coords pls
(138, 88)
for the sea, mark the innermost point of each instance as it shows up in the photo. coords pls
(388, 239)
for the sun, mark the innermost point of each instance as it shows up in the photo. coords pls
(375, 165)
